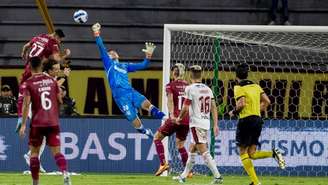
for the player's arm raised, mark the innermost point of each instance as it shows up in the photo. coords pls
(149, 50)
(26, 107)
(214, 112)
(107, 61)
(24, 50)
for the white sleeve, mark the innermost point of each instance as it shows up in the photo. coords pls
(188, 94)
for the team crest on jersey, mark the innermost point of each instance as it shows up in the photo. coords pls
(3, 148)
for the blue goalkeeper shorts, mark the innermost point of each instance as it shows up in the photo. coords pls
(129, 102)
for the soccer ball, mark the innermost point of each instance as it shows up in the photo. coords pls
(80, 16)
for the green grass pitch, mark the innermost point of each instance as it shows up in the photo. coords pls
(147, 179)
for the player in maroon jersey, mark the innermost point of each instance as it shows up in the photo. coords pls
(43, 46)
(175, 92)
(43, 93)
(51, 68)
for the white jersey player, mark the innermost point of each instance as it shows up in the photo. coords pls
(200, 102)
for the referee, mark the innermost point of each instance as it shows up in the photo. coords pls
(250, 101)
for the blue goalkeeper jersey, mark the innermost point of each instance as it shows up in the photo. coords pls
(117, 72)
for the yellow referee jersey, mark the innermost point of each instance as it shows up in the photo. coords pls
(252, 93)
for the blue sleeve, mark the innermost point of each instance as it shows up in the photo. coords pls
(107, 61)
(131, 67)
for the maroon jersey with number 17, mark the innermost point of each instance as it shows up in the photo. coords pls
(177, 88)
(44, 92)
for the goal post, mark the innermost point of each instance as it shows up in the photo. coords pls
(289, 62)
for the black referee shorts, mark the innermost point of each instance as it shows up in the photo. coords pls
(248, 131)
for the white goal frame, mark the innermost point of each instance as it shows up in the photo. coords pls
(168, 28)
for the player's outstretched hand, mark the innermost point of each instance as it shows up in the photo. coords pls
(22, 130)
(67, 52)
(149, 50)
(96, 29)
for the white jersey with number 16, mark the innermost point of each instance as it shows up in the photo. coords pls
(200, 96)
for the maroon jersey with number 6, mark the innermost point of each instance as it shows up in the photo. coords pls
(45, 106)
(177, 88)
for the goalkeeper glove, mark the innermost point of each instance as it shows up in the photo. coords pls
(19, 124)
(150, 47)
(96, 29)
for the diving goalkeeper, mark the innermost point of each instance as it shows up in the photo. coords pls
(127, 98)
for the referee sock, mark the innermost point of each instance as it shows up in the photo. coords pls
(160, 151)
(184, 155)
(61, 162)
(249, 168)
(261, 155)
(155, 112)
(35, 168)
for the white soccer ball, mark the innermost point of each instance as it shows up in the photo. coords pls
(80, 16)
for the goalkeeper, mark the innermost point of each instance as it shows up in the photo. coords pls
(127, 98)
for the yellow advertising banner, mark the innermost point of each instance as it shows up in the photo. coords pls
(293, 94)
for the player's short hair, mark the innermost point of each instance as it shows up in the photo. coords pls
(35, 62)
(59, 33)
(196, 71)
(242, 71)
(48, 65)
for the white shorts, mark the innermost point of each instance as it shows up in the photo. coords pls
(199, 135)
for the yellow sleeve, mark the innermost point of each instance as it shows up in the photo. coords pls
(238, 92)
(260, 89)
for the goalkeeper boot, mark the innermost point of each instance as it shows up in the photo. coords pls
(279, 158)
(179, 179)
(67, 178)
(149, 133)
(217, 180)
(162, 168)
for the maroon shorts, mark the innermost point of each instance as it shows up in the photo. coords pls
(51, 134)
(168, 128)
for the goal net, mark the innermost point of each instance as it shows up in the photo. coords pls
(289, 63)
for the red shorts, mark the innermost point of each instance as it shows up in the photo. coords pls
(168, 128)
(51, 134)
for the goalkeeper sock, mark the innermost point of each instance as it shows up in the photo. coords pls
(160, 151)
(61, 162)
(261, 155)
(184, 155)
(155, 112)
(249, 168)
(209, 161)
(190, 163)
(141, 129)
(35, 168)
